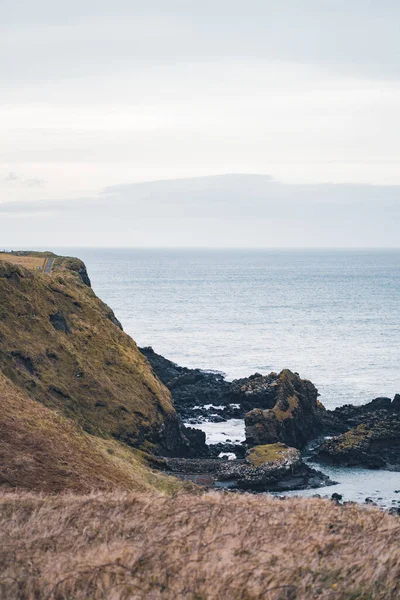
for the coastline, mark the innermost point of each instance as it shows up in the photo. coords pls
(208, 403)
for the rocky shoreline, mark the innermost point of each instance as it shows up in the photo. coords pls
(279, 410)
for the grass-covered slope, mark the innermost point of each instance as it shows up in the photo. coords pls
(211, 547)
(64, 348)
(41, 450)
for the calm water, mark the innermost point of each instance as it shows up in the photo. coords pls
(333, 316)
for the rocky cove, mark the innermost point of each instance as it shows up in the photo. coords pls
(270, 433)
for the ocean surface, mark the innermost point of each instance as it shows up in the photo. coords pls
(331, 315)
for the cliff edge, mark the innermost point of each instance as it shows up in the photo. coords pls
(62, 347)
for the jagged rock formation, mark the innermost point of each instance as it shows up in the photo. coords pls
(193, 390)
(369, 435)
(295, 417)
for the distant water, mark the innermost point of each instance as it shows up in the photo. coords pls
(332, 316)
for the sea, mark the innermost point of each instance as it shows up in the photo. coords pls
(333, 316)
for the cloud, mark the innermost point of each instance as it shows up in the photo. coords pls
(34, 182)
(93, 37)
(11, 177)
(30, 182)
(224, 211)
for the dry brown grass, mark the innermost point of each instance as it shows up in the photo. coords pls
(41, 450)
(209, 547)
(29, 262)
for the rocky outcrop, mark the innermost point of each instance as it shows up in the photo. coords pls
(201, 394)
(374, 444)
(367, 435)
(274, 467)
(295, 417)
(192, 389)
(348, 416)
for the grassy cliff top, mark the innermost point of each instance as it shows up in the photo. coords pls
(63, 346)
(46, 262)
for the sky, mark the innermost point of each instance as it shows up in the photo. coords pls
(97, 96)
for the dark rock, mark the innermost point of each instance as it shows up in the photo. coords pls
(59, 322)
(394, 511)
(176, 440)
(238, 449)
(190, 388)
(295, 417)
(374, 444)
(379, 403)
(83, 275)
(396, 402)
(23, 360)
(198, 393)
(111, 316)
(284, 470)
(336, 497)
(349, 416)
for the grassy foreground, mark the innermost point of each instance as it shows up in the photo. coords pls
(211, 546)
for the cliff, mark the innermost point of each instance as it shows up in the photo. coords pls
(63, 349)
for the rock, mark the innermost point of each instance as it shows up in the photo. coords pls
(336, 497)
(394, 511)
(191, 389)
(379, 403)
(178, 440)
(266, 468)
(349, 416)
(374, 444)
(59, 322)
(396, 402)
(295, 418)
(204, 394)
(272, 467)
(256, 391)
(238, 449)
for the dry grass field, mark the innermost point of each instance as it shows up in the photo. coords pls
(213, 546)
(29, 262)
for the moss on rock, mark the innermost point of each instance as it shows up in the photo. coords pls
(270, 453)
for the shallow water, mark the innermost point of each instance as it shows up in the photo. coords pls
(358, 484)
(232, 430)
